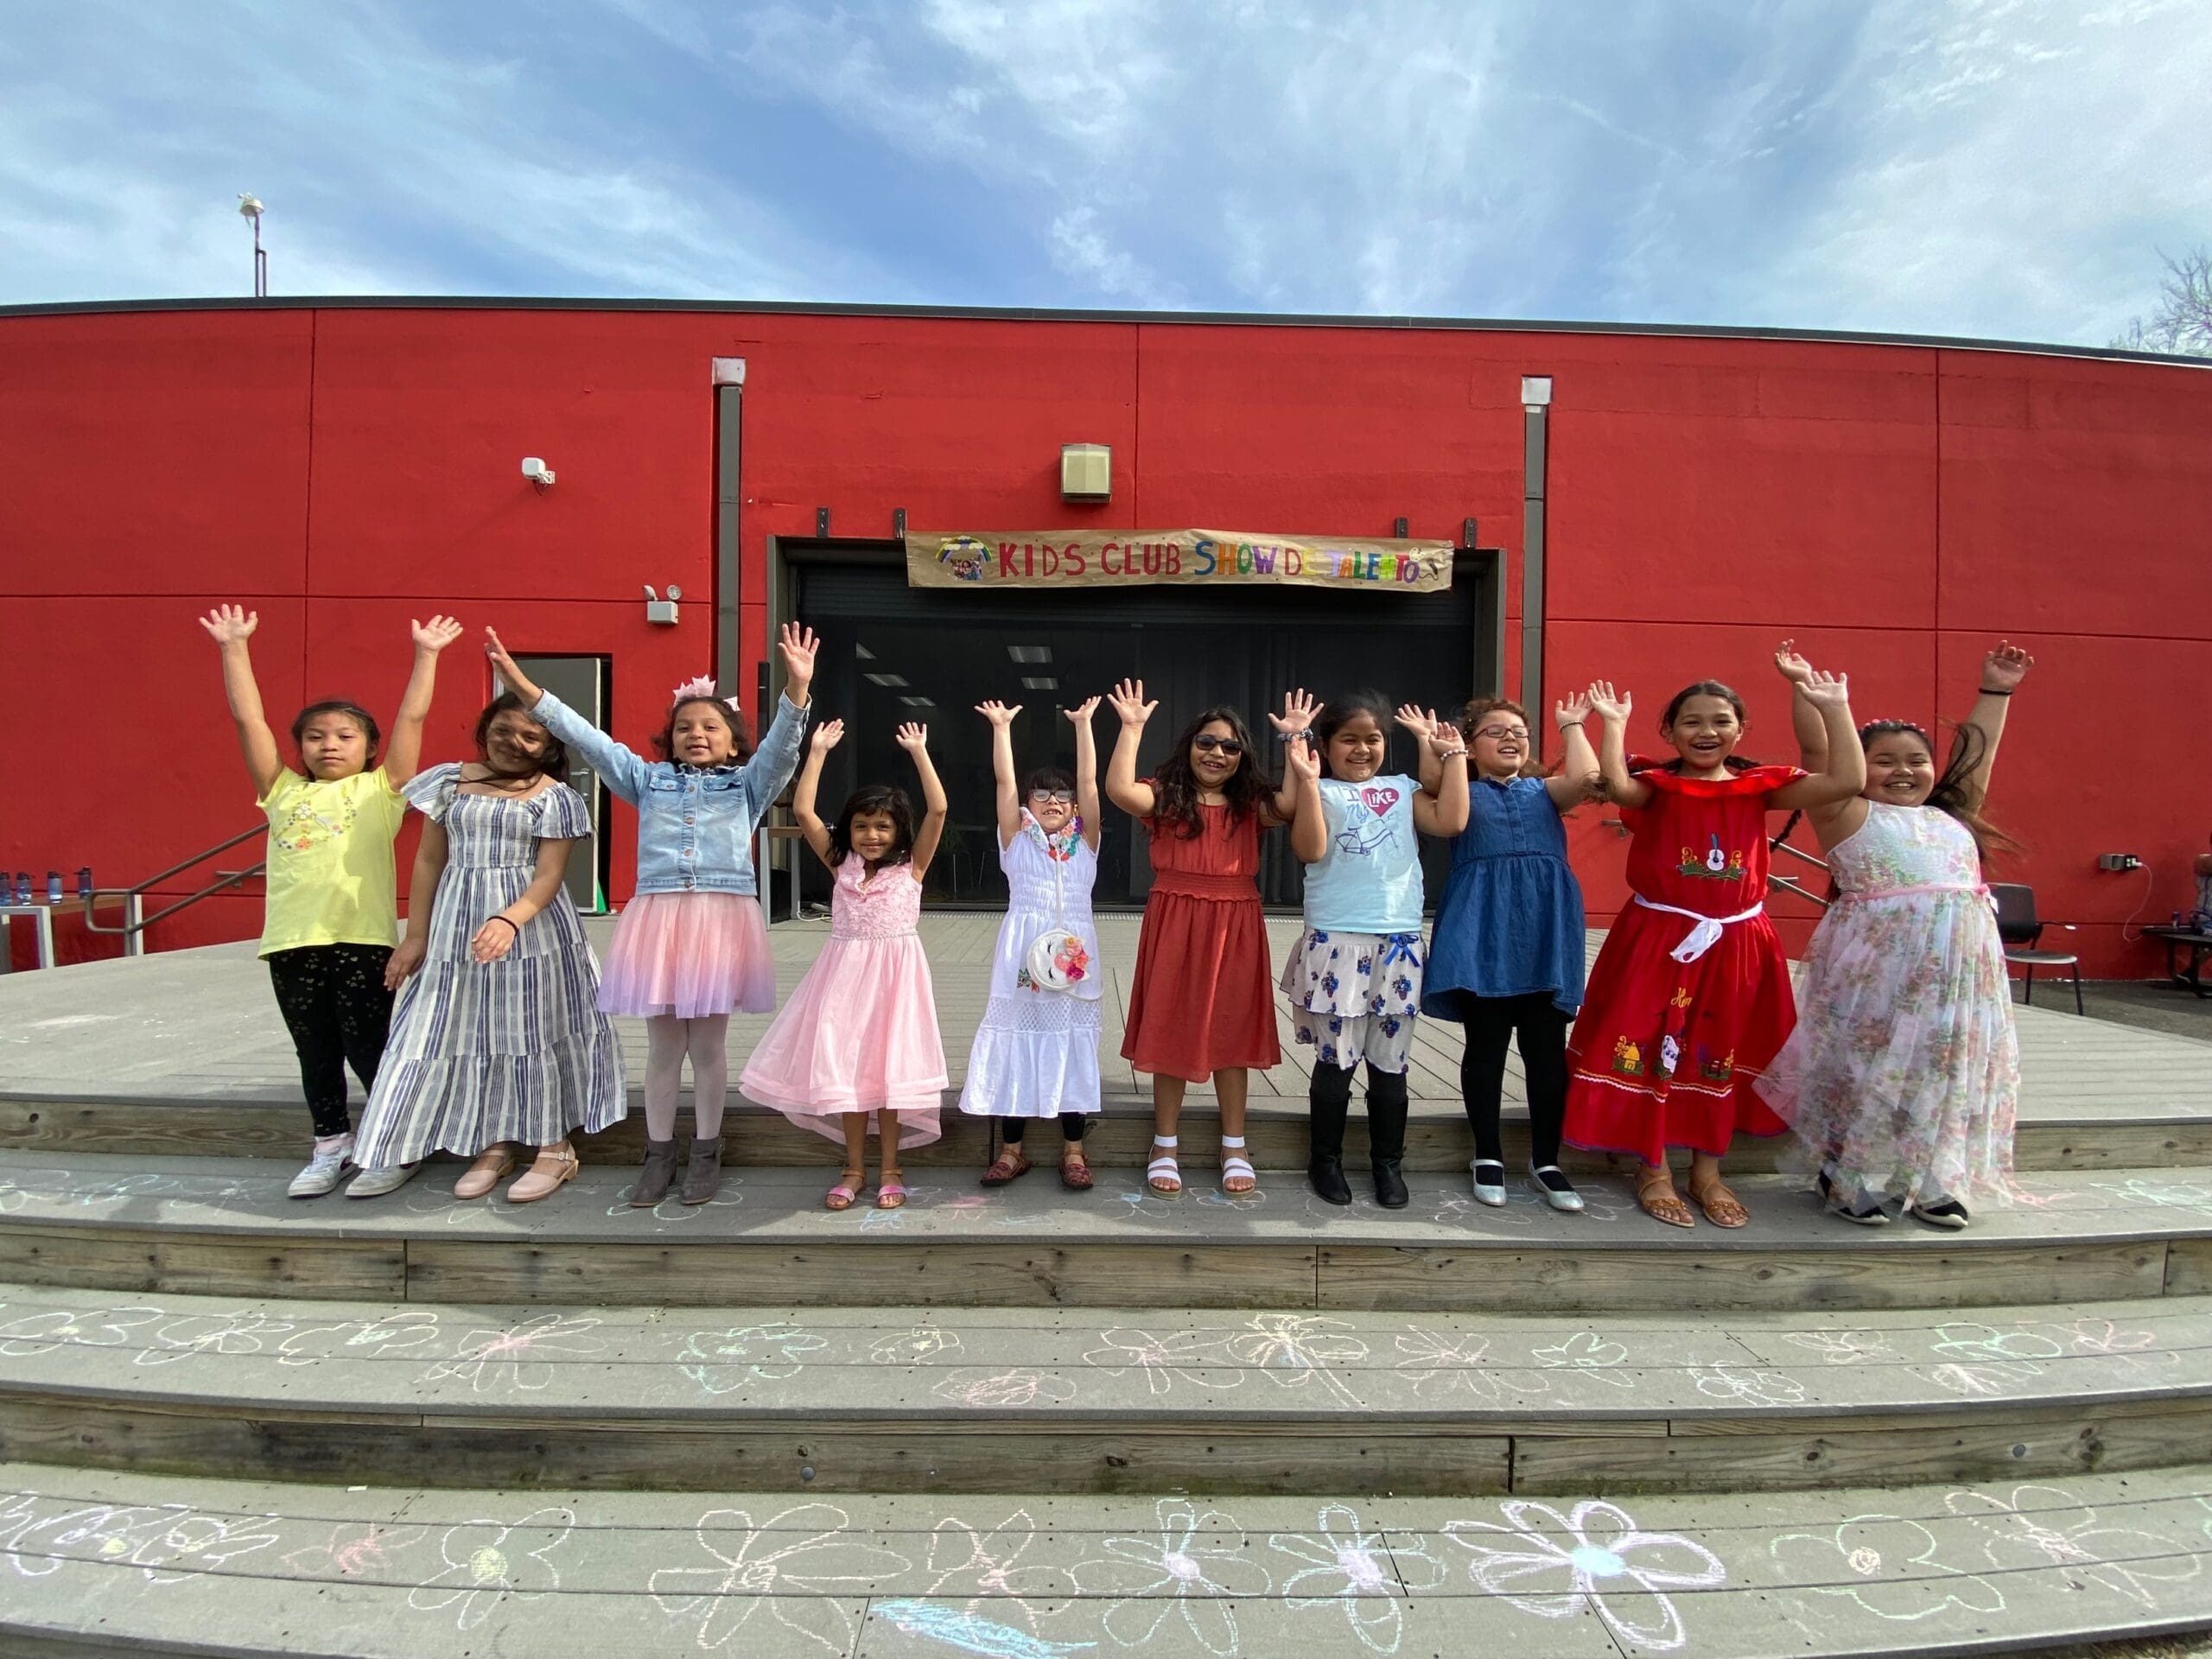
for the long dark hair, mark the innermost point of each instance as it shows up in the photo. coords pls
(1727, 693)
(1955, 792)
(353, 711)
(887, 799)
(665, 739)
(552, 760)
(1175, 786)
(1339, 710)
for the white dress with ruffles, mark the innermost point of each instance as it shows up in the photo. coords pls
(1036, 1051)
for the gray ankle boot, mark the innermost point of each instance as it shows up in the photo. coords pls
(659, 1172)
(702, 1176)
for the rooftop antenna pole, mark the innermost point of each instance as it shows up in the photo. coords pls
(249, 210)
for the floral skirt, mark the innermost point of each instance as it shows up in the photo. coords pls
(1354, 997)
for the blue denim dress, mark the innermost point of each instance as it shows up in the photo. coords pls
(1510, 921)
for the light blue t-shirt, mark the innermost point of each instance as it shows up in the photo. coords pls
(1369, 881)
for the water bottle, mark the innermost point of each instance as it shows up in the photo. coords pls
(84, 881)
(54, 887)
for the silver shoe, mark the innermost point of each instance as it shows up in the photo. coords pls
(1563, 1197)
(1491, 1192)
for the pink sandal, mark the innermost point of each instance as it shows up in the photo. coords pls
(841, 1195)
(889, 1195)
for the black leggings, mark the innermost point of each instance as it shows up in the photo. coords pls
(338, 1011)
(1072, 1125)
(1490, 1023)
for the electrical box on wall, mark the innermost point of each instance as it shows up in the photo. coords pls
(1086, 472)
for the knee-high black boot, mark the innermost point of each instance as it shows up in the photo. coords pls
(1328, 1103)
(1386, 1135)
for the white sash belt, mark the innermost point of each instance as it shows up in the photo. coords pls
(1706, 934)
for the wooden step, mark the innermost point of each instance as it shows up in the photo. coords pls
(143, 1565)
(908, 1398)
(223, 1227)
(1437, 1141)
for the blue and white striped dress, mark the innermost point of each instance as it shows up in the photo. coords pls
(511, 1049)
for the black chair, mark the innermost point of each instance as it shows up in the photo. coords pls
(2020, 928)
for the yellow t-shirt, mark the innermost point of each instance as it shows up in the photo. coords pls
(330, 878)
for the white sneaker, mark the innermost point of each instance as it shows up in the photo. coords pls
(375, 1183)
(325, 1169)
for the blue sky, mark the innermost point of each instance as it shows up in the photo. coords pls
(1995, 168)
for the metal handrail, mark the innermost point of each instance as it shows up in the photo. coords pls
(135, 924)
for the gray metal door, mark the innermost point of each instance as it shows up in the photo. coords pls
(581, 682)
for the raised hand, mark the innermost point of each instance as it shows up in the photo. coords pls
(1606, 704)
(231, 625)
(1422, 722)
(1790, 664)
(1570, 712)
(1303, 760)
(435, 635)
(913, 737)
(2006, 667)
(997, 712)
(1081, 714)
(494, 940)
(1128, 701)
(826, 736)
(1824, 690)
(1298, 709)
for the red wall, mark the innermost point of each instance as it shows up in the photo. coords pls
(1896, 508)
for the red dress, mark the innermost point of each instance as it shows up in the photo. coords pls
(1664, 1052)
(1201, 998)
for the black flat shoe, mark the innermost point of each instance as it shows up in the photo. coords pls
(1947, 1213)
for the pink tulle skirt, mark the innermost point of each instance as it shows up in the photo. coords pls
(691, 955)
(858, 1034)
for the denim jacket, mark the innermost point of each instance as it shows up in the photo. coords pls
(695, 826)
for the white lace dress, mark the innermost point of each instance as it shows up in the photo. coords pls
(1903, 1076)
(1036, 1052)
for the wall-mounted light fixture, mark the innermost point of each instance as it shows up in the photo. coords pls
(662, 610)
(1086, 472)
(537, 472)
(1535, 391)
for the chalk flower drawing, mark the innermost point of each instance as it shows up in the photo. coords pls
(1441, 1363)
(1842, 1347)
(2044, 1526)
(1885, 1564)
(1607, 1564)
(36, 1540)
(1726, 1382)
(1986, 1344)
(915, 1347)
(356, 1549)
(57, 1327)
(1353, 1570)
(2090, 1335)
(402, 1330)
(1188, 1571)
(1295, 1349)
(1194, 1356)
(720, 1361)
(1591, 1355)
(31, 1186)
(192, 1544)
(491, 1360)
(487, 1562)
(1015, 1387)
(987, 1570)
(804, 1549)
(242, 1331)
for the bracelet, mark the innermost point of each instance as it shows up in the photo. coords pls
(1986, 692)
(1451, 754)
(510, 922)
(1293, 737)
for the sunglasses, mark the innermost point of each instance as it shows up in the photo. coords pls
(1052, 798)
(1206, 742)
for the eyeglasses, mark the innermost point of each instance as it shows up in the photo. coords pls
(1500, 734)
(1052, 798)
(1206, 743)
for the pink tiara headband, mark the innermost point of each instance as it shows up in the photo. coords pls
(700, 688)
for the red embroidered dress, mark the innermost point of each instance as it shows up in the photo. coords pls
(1664, 1051)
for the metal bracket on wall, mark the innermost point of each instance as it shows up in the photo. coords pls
(1467, 533)
(898, 521)
(822, 521)
(1398, 528)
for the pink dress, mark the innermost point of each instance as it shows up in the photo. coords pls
(860, 1032)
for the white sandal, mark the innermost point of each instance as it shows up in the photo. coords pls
(1164, 1168)
(1235, 1165)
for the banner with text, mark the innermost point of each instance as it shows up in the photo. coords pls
(1094, 558)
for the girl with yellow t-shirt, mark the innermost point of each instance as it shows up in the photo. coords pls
(332, 914)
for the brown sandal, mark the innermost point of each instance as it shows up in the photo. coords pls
(1722, 1208)
(1075, 1173)
(1655, 1191)
(1010, 1163)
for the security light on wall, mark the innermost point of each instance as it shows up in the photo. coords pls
(1086, 472)
(537, 472)
(1535, 391)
